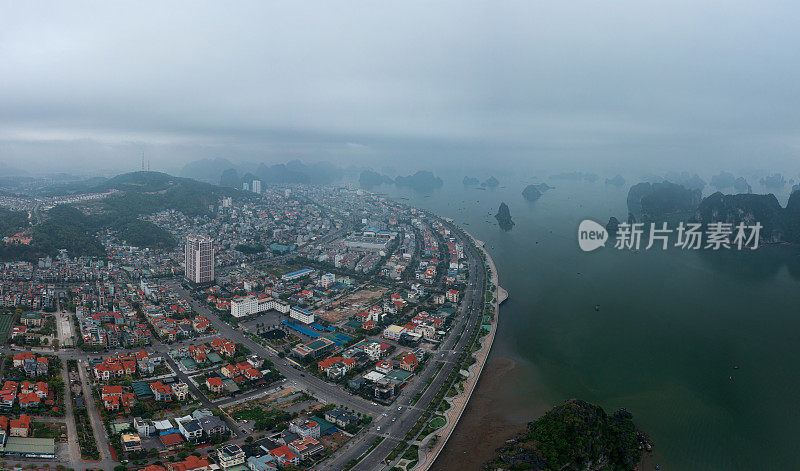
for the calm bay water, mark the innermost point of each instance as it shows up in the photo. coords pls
(671, 327)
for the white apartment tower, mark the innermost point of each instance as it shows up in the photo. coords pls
(256, 186)
(199, 258)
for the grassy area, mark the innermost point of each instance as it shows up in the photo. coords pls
(435, 424)
(54, 430)
(6, 320)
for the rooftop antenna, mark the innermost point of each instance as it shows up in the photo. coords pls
(142, 161)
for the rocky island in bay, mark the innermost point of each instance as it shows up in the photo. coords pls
(575, 436)
(503, 217)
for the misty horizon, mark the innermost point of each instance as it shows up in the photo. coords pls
(635, 89)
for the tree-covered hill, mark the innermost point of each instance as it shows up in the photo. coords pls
(575, 436)
(12, 222)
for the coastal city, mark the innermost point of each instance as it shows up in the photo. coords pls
(286, 327)
(399, 236)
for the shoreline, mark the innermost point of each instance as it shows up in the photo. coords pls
(459, 403)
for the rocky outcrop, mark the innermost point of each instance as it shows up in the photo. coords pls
(575, 436)
(503, 217)
(491, 182)
(773, 181)
(531, 193)
(422, 180)
(778, 224)
(650, 201)
(470, 181)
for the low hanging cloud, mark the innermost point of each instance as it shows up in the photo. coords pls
(655, 84)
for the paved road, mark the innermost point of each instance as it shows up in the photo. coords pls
(94, 416)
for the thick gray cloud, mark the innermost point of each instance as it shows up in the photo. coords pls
(660, 84)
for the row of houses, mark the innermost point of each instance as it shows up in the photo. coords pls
(26, 394)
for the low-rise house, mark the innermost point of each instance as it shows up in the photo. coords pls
(180, 391)
(212, 425)
(230, 456)
(191, 430)
(20, 427)
(161, 392)
(215, 384)
(305, 427)
(409, 362)
(342, 418)
(284, 455)
(306, 447)
(131, 442)
(191, 463)
(262, 463)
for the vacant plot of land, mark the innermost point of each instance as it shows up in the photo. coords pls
(352, 304)
(333, 441)
(55, 430)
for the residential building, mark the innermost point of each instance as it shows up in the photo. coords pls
(199, 259)
(20, 427)
(191, 463)
(306, 317)
(230, 456)
(305, 427)
(262, 463)
(131, 442)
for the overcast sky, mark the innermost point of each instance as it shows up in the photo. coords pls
(659, 85)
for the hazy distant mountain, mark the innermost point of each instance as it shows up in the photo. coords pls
(688, 180)
(230, 178)
(320, 173)
(370, 178)
(740, 185)
(207, 170)
(773, 181)
(422, 180)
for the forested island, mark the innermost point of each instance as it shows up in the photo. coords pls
(575, 436)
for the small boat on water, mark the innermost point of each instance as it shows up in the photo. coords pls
(596, 307)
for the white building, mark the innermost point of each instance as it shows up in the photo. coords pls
(393, 332)
(256, 186)
(302, 315)
(199, 259)
(305, 427)
(248, 305)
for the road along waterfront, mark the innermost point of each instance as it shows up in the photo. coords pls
(459, 403)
